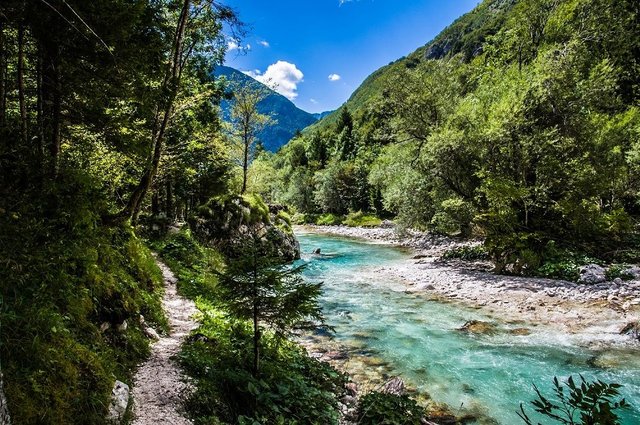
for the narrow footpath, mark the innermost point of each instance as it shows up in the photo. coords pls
(159, 385)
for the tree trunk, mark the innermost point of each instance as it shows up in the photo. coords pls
(245, 163)
(169, 201)
(3, 76)
(256, 311)
(161, 122)
(21, 97)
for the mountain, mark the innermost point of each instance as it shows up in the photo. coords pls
(320, 115)
(289, 118)
(466, 35)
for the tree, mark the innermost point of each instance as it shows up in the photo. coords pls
(247, 122)
(256, 286)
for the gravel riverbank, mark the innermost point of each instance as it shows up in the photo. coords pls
(592, 314)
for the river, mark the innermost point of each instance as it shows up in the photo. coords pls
(416, 338)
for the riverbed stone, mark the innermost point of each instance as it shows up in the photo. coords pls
(592, 274)
(478, 327)
(520, 331)
(119, 402)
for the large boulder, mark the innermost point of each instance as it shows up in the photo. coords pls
(232, 223)
(592, 274)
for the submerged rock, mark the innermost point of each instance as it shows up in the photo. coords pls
(478, 327)
(520, 331)
(592, 274)
(119, 402)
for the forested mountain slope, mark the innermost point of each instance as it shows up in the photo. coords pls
(466, 36)
(519, 122)
(287, 117)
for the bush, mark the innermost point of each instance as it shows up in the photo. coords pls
(329, 220)
(563, 264)
(585, 403)
(360, 219)
(66, 275)
(468, 253)
(378, 408)
(290, 385)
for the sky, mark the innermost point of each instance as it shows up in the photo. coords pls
(317, 52)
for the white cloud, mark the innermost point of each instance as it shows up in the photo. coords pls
(334, 77)
(235, 45)
(264, 43)
(315, 102)
(281, 76)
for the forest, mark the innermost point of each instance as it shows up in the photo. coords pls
(524, 130)
(518, 126)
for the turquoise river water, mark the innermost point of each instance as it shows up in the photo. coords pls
(417, 338)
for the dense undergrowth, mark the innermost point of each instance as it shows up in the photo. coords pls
(64, 276)
(291, 388)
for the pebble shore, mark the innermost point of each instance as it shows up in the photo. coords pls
(594, 314)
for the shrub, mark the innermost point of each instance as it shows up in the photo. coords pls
(329, 220)
(585, 403)
(468, 253)
(378, 408)
(360, 219)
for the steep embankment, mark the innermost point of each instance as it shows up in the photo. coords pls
(159, 383)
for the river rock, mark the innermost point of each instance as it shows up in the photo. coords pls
(478, 327)
(592, 274)
(632, 329)
(520, 331)
(119, 402)
(351, 389)
(394, 387)
(632, 272)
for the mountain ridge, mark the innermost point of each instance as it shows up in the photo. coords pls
(289, 119)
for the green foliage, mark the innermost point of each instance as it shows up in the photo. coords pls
(376, 408)
(467, 253)
(329, 220)
(256, 286)
(519, 122)
(584, 403)
(563, 263)
(619, 271)
(195, 266)
(65, 277)
(360, 219)
(291, 389)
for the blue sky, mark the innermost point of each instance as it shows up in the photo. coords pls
(317, 52)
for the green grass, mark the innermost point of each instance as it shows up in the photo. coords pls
(58, 365)
(360, 219)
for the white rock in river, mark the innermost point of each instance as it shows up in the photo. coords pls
(119, 402)
(592, 274)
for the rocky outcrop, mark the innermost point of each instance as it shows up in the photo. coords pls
(632, 329)
(232, 223)
(592, 274)
(5, 418)
(119, 403)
